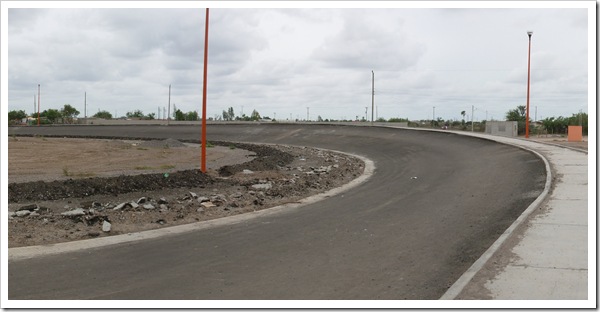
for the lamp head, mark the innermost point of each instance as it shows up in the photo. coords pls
(529, 33)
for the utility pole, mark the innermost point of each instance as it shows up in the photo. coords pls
(307, 114)
(169, 114)
(34, 106)
(85, 106)
(38, 104)
(535, 113)
(366, 113)
(158, 116)
(372, 94)
(472, 115)
(433, 119)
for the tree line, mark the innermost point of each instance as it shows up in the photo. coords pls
(551, 125)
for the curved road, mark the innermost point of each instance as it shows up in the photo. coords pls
(392, 237)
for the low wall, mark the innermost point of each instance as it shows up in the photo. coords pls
(502, 128)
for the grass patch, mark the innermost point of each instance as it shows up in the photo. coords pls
(142, 149)
(66, 172)
(167, 166)
(143, 168)
(231, 147)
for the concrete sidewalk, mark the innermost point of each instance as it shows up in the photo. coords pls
(545, 255)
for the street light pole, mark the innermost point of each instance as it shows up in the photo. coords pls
(433, 118)
(529, 33)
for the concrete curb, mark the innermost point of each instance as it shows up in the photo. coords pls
(20, 253)
(466, 277)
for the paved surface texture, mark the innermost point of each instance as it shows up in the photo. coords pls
(548, 259)
(391, 238)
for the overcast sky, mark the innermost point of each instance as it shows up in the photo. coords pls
(281, 61)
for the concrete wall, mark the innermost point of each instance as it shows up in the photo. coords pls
(502, 128)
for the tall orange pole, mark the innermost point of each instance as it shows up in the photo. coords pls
(529, 33)
(203, 156)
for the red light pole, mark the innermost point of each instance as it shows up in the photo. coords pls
(203, 152)
(529, 33)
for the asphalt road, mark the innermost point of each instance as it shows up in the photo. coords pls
(392, 237)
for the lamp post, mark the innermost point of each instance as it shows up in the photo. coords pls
(529, 33)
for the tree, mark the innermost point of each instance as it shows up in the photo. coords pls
(135, 114)
(319, 118)
(103, 114)
(255, 116)
(228, 115)
(51, 114)
(179, 115)
(150, 116)
(16, 115)
(69, 112)
(191, 116)
(463, 113)
(518, 115)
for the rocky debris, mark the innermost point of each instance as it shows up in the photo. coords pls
(195, 197)
(262, 186)
(29, 208)
(22, 213)
(81, 188)
(106, 226)
(74, 213)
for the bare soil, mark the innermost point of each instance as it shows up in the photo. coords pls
(136, 185)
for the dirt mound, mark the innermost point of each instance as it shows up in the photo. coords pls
(41, 190)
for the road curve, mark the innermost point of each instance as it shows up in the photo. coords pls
(393, 237)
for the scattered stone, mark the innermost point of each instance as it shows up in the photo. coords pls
(123, 206)
(12, 213)
(262, 186)
(194, 195)
(74, 213)
(246, 171)
(93, 234)
(163, 207)
(34, 214)
(31, 207)
(162, 201)
(141, 200)
(161, 221)
(200, 209)
(208, 204)
(134, 205)
(22, 213)
(203, 199)
(148, 206)
(106, 226)
(236, 195)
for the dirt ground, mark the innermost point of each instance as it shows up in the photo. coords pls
(561, 140)
(64, 189)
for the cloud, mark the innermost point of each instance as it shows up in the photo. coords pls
(367, 42)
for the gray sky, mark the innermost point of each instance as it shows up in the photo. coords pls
(281, 61)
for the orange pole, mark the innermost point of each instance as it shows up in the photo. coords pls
(203, 152)
(528, 82)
